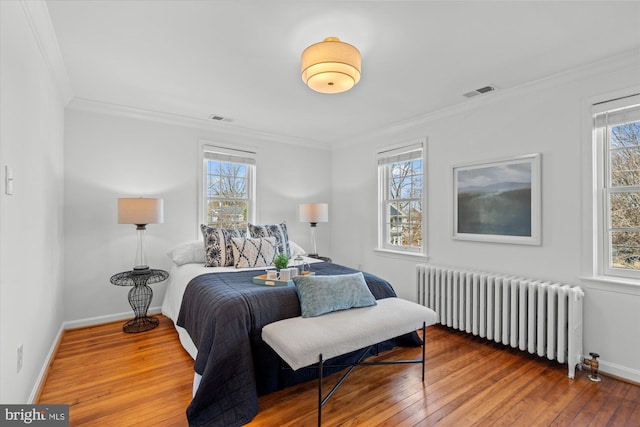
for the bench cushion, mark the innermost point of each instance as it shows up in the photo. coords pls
(300, 340)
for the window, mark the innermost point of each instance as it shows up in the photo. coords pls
(402, 199)
(617, 141)
(228, 187)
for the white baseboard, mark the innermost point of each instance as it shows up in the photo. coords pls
(80, 323)
(45, 366)
(619, 371)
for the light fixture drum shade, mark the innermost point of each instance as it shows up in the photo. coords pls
(331, 66)
(140, 211)
(314, 212)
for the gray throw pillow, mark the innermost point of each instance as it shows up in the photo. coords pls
(324, 294)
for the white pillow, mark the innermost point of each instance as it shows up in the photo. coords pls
(188, 253)
(296, 249)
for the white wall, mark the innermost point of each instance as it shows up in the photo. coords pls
(109, 156)
(31, 220)
(548, 118)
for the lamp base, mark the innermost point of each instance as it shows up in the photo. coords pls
(141, 269)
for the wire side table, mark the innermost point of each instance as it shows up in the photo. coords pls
(140, 297)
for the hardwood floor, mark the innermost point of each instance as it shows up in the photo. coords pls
(111, 378)
(115, 379)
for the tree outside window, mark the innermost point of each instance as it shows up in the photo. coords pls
(616, 139)
(401, 181)
(624, 195)
(405, 203)
(227, 199)
(228, 187)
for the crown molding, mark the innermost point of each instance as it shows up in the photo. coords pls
(624, 60)
(39, 20)
(227, 129)
(37, 15)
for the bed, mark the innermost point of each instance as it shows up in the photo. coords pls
(219, 314)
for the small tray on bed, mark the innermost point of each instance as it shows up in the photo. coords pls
(262, 280)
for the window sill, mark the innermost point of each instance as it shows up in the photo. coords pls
(612, 284)
(401, 254)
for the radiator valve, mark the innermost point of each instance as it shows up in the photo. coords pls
(593, 366)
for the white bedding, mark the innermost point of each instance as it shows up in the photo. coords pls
(179, 278)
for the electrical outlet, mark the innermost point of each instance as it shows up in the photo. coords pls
(8, 180)
(19, 357)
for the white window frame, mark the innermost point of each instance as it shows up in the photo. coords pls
(607, 114)
(234, 155)
(386, 156)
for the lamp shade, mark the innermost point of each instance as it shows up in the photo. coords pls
(140, 211)
(331, 66)
(314, 212)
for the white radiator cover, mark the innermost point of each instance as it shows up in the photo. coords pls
(541, 317)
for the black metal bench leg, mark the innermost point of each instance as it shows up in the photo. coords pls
(424, 345)
(320, 375)
(322, 399)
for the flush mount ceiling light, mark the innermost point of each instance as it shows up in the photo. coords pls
(331, 66)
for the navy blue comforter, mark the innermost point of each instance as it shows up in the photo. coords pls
(224, 314)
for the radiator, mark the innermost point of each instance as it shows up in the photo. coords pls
(539, 317)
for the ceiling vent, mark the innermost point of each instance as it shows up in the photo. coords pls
(480, 91)
(219, 118)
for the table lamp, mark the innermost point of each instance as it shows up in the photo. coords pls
(140, 211)
(313, 213)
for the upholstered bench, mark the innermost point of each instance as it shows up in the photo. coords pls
(305, 341)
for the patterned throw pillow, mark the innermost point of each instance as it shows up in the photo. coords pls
(279, 231)
(253, 252)
(217, 245)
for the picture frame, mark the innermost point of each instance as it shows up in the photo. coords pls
(498, 201)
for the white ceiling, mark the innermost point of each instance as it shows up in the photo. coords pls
(241, 59)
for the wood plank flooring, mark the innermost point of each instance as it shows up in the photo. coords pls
(115, 379)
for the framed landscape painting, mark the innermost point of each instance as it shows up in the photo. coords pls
(498, 201)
